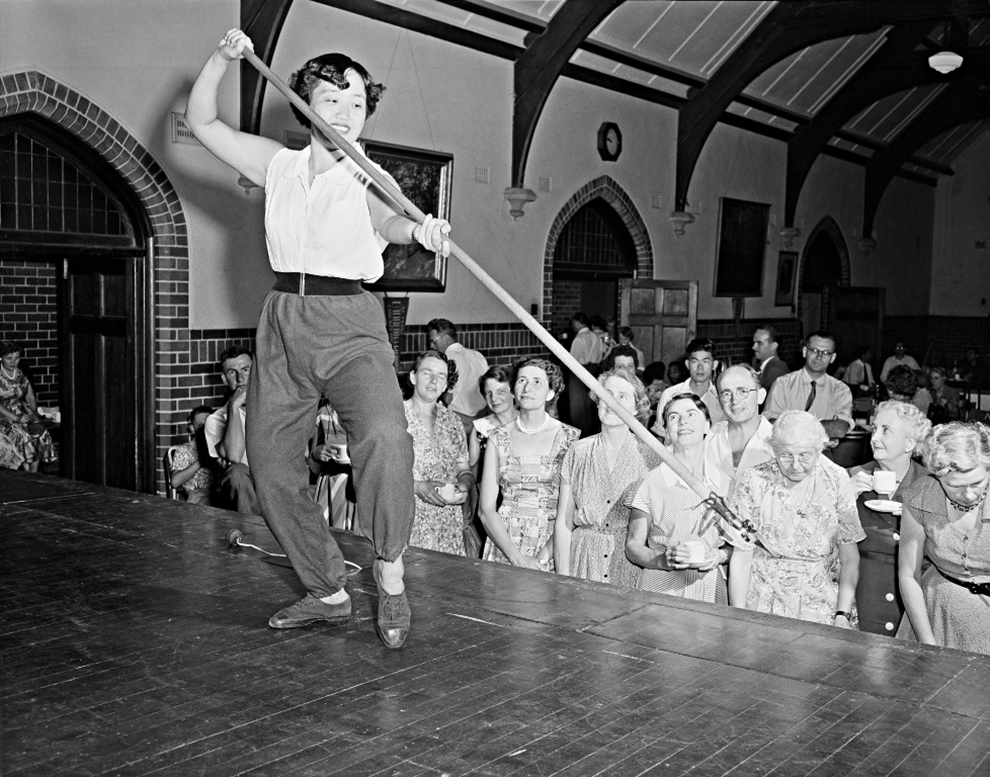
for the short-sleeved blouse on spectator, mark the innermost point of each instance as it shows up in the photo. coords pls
(530, 486)
(601, 517)
(29, 435)
(803, 581)
(436, 458)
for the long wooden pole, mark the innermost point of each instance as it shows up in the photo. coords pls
(521, 313)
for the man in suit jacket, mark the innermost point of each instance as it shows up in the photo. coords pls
(771, 366)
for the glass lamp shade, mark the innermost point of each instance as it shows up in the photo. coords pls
(945, 61)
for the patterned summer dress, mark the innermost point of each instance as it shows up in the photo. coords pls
(436, 457)
(803, 581)
(601, 516)
(530, 486)
(959, 619)
(29, 436)
(679, 515)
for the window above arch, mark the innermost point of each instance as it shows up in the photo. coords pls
(595, 239)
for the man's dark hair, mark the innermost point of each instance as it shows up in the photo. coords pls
(232, 352)
(197, 410)
(332, 68)
(700, 344)
(901, 381)
(442, 326)
(771, 330)
(581, 318)
(654, 371)
(821, 334)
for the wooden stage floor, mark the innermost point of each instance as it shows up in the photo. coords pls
(135, 642)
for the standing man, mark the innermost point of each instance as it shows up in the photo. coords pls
(812, 389)
(701, 363)
(587, 348)
(224, 433)
(321, 334)
(742, 440)
(899, 357)
(466, 400)
(771, 366)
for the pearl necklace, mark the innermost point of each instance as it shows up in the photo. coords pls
(968, 508)
(10, 376)
(527, 430)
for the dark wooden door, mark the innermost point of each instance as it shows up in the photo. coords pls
(662, 314)
(99, 423)
(855, 317)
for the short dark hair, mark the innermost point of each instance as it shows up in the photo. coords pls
(332, 68)
(232, 352)
(700, 344)
(197, 410)
(771, 331)
(901, 381)
(654, 371)
(686, 395)
(619, 350)
(598, 321)
(555, 378)
(581, 318)
(626, 331)
(497, 373)
(821, 334)
(863, 350)
(432, 353)
(8, 347)
(443, 326)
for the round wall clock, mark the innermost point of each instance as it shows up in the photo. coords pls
(609, 141)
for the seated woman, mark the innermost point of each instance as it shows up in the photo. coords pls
(330, 462)
(441, 475)
(589, 537)
(946, 518)
(902, 385)
(945, 399)
(673, 536)
(804, 508)
(20, 424)
(898, 430)
(523, 460)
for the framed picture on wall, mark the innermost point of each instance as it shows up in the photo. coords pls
(786, 276)
(742, 240)
(425, 178)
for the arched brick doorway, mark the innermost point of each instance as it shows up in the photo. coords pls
(824, 263)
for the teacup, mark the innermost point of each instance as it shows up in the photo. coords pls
(697, 551)
(884, 481)
(448, 491)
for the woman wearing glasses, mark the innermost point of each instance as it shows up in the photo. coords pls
(804, 508)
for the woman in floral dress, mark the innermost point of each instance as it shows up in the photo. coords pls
(441, 457)
(20, 425)
(804, 508)
(596, 476)
(523, 459)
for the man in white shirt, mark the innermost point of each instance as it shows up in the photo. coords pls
(587, 349)
(742, 440)
(225, 439)
(466, 400)
(701, 363)
(899, 357)
(859, 374)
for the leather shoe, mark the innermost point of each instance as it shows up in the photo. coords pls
(394, 618)
(309, 611)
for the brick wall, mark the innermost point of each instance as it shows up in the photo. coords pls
(28, 315)
(943, 338)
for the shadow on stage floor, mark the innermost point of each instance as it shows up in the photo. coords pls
(135, 641)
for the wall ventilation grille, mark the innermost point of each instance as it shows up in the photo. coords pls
(482, 175)
(181, 132)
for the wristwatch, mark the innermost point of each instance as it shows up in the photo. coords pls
(843, 613)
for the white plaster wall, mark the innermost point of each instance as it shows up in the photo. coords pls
(960, 271)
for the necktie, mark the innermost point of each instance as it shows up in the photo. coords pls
(811, 396)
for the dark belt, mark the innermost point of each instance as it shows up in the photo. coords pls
(980, 589)
(305, 284)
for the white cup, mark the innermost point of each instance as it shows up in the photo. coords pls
(884, 482)
(697, 551)
(448, 491)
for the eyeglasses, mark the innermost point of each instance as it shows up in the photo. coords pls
(802, 458)
(820, 353)
(738, 394)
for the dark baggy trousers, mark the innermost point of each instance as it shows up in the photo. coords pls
(337, 346)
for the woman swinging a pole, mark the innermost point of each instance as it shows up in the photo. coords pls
(321, 333)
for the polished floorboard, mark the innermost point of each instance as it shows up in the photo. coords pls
(134, 641)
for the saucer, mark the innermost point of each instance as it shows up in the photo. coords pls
(884, 506)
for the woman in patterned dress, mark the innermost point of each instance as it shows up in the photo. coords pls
(946, 518)
(804, 507)
(441, 458)
(523, 459)
(667, 517)
(20, 424)
(589, 538)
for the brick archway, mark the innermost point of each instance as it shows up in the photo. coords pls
(829, 226)
(35, 92)
(608, 190)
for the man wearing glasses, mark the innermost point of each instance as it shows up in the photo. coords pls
(742, 440)
(812, 389)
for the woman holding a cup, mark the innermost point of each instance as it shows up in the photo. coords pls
(672, 535)
(442, 476)
(804, 507)
(899, 429)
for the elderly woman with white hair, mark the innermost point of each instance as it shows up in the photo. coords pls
(946, 519)
(898, 431)
(804, 508)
